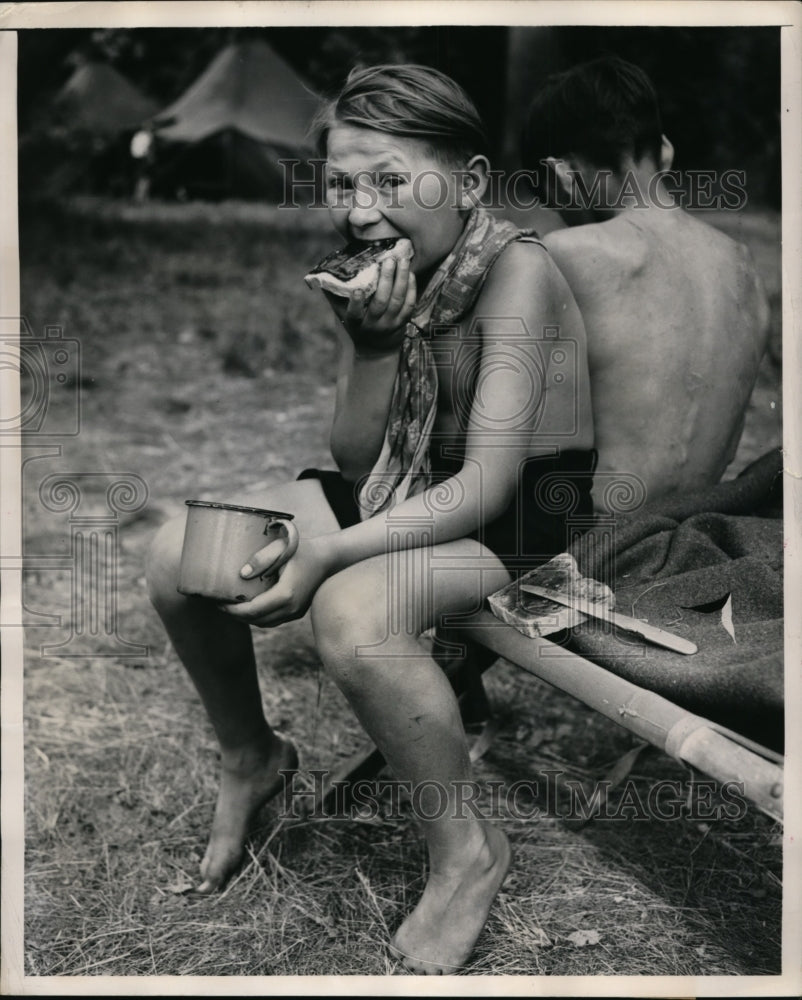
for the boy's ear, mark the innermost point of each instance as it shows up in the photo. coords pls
(666, 153)
(472, 182)
(562, 171)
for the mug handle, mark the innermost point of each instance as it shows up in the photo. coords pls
(292, 542)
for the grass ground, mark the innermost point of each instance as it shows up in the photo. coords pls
(207, 364)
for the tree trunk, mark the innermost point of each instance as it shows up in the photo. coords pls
(532, 53)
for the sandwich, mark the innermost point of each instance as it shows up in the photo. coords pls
(356, 267)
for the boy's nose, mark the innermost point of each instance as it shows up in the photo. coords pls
(364, 209)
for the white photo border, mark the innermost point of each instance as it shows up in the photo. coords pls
(783, 13)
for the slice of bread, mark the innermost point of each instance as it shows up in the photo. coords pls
(356, 266)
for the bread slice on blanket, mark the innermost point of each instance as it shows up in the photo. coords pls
(356, 267)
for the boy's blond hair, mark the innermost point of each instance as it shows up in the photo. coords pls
(413, 101)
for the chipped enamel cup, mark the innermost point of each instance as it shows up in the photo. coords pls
(219, 539)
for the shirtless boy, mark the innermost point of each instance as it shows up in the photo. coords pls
(675, 316)
(463, 326)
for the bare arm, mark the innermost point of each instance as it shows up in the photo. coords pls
(364, 390)
(520, 298)
(370, 342)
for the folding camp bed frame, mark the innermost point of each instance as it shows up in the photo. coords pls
(715, 751)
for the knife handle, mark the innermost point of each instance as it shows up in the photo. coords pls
(656, 635)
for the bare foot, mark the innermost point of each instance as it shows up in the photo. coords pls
(438, 936)
(245, 786)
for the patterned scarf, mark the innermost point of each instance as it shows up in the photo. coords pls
(403, 467)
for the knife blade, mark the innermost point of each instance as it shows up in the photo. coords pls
(649, 632)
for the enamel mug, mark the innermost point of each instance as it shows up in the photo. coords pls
(220, 539)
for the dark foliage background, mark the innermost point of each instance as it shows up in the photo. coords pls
(719, 87)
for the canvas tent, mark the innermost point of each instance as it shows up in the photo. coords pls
(225, 135)
(99, 101)
(79, 139)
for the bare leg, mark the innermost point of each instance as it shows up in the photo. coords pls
(408, 707)
(218, 655)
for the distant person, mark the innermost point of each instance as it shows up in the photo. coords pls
(440, 442)
(675, 316)
(141, 150)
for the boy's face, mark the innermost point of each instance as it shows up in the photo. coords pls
(380, 185)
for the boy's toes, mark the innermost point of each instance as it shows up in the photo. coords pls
(209, 887)
(408, 964)
(419, 967)
(215, 872)
(212, 884)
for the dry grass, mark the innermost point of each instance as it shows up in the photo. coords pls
(120, 760)
(121, 787)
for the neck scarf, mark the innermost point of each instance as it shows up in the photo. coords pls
(403, 467)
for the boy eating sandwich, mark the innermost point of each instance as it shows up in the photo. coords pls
(455, 398)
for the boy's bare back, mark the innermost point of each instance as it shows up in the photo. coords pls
(675, 317)
(676, 324)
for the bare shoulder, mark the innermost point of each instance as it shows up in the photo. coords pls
(605, 237)
(587, 255)
(574, 238)
(526, 285)
(732, 257)
(719, 244)
(753, 292)
(525, 271)
(713, 238)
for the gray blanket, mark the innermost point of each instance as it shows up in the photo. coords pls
(707, 566)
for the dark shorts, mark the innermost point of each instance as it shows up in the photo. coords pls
(553, 504)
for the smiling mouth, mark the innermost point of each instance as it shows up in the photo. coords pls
(367, 240)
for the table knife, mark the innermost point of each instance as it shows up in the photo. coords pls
(649, 632)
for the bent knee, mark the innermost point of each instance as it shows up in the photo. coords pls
(163, 561)
(351, 621)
